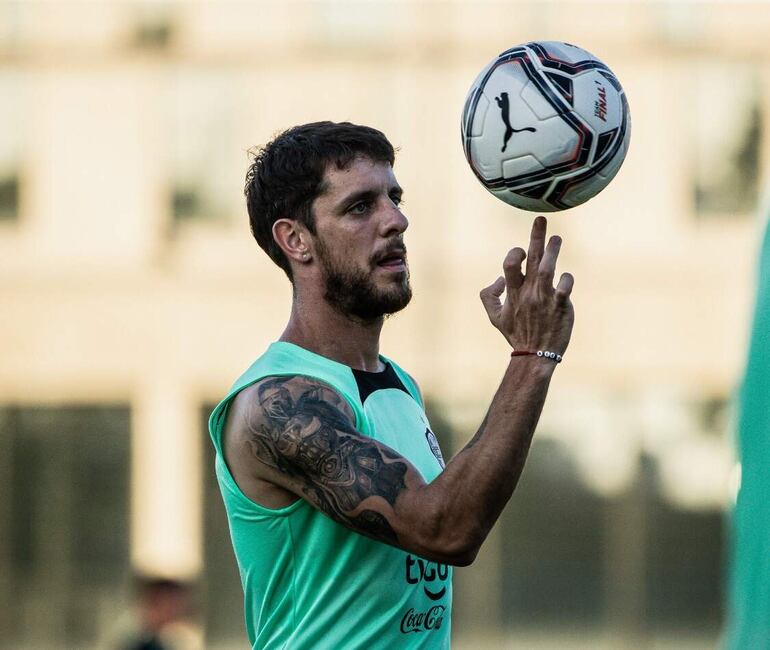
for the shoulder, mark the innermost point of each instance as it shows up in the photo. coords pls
(278, 426)
(277, 400)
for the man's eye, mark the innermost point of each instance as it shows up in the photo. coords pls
(359, 208)
(397, 200)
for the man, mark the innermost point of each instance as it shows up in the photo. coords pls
(344, 520)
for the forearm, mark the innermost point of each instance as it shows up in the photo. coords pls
(468, 497)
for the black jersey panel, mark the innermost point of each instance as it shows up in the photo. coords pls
(368, 382)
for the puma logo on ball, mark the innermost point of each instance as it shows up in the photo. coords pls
(505, 106)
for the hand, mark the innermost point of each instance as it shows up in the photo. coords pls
(534, 315)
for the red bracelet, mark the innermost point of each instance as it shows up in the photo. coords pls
(540, 353)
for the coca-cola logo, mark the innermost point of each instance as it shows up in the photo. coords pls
(423, 621)
(419, 570)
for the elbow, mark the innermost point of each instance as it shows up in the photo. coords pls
(449, 538)
(456, 550)
(468, 548)
(464, 558)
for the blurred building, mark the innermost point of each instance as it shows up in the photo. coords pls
(132, 294)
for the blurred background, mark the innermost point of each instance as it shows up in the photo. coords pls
(132, 294)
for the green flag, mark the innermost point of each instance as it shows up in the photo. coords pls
(748, 626)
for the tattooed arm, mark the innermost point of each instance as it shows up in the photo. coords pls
(302, 436)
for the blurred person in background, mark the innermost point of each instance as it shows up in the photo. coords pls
(161, 619)
(343, 516)
(749, 606)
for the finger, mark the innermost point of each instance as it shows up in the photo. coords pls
(512, 268)
(564, 288)
(547, 266)
(536, 245)
(490, 296)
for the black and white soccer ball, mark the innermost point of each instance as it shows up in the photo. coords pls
(546, 126)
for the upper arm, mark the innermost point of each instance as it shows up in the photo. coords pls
(302, 436)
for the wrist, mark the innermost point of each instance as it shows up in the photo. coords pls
(545, 355)
(534, 365)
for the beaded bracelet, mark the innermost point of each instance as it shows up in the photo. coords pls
(540, 353)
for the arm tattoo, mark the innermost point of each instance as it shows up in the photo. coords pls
(300, 428)
(375, 525)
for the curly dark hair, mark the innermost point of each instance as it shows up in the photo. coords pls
(286, 175)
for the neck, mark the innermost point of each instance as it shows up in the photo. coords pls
(317, 326)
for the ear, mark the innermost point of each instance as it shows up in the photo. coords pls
(293, 239)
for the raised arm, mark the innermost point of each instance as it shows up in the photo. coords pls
(301, 432)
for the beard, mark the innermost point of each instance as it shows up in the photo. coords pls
(353, 292)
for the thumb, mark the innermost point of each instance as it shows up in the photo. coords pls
(490, 296)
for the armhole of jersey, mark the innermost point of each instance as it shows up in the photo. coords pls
(408, 381)
(217, 421)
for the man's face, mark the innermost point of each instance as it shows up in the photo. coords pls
(359, 240)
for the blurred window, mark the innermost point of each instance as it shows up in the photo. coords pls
(712, 415)
(685, 568)
(223, 596)
(553, 552)
(208, 157)
(153, 28)
(355, 24)
(64, 476)
(572, 559)
(9, 196)
(11, 115)
(10, 27)
(727, 119)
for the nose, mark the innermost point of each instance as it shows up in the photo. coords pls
(394, 222)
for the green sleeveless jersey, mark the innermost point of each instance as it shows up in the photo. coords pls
(310, 583)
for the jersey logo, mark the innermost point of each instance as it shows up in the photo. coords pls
(421, 571)
(433, 444)
(434, 578)
(423, 621)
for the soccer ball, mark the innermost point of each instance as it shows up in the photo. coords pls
(546, 126)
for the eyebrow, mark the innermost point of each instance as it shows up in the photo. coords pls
(365, 195)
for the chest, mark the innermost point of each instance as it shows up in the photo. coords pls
(395, 419)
